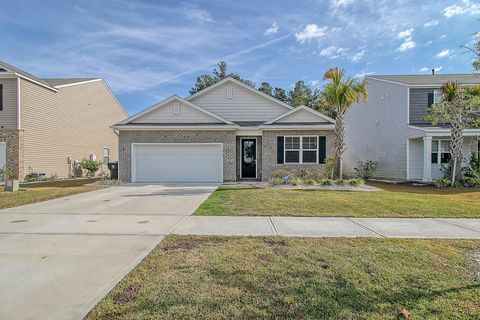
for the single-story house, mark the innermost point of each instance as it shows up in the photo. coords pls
(226, 132)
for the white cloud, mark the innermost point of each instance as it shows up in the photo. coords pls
(466, 7)
(311, 31)
(315, 83)
(424, 69)
(428, 42)
(407, 33)
(333, 52)
(408, 44)
(273, 29)
(431, 23)
(336, 29)
(443, 36)
(358, 56)
(443, 53)
(198, 14)
(340, 3)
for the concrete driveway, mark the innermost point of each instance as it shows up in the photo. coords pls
(59, 257)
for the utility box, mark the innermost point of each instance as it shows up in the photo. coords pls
(12, 185)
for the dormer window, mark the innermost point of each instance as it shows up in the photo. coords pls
(229, 93)
(176, 108)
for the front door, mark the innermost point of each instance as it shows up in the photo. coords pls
(249, 158)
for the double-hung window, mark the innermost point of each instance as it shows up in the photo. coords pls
(301, 149)
(106, 155)
(441, 152)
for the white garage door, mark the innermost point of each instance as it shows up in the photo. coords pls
(184, 162)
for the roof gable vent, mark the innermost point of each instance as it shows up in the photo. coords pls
(229, 93)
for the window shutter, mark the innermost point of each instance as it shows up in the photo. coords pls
(322, 149)
(430, 99)
(280, 147)
(1, 97)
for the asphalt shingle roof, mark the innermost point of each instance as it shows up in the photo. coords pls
(63, 81)
(428, 79)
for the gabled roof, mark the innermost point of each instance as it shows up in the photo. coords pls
(168, 100)
(243, 85)
(429, 79)
(60, 82)
(25, 75)
(299, 108)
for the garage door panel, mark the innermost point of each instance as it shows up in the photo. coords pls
(177, 163)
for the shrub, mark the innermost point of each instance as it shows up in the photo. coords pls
(340, 182)
(365, 169)
(472, 182)
(91, 166)
(296, 181)
(310, 182)
(329, 165)
(442, 183)
(356, 182)
(6, 173)
(473, 166)
(326, 182)
(275, 181)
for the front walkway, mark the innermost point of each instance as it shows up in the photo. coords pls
(331, 227)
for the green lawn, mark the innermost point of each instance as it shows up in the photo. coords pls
(393, 201)
(192, 277)
(44, 191)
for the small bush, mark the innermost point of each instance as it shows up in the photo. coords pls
(329, 166)
(472, 182)
(91, 166)
(326, 182)
(340, 182)
(365, 169)
(6, 173)
(275, 181)
(356, 182)
(442, 183)
(296, 181)
(310, 182)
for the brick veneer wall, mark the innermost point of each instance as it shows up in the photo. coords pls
(269, 150)
(259, 155)
(14, 148)
(127, 137)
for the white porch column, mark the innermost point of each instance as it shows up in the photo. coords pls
(427, 159)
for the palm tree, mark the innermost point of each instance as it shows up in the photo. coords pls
(341, 93)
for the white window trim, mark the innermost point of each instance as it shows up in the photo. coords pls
(176, 108)
(439, 151)
(109, 154)
(300, 150)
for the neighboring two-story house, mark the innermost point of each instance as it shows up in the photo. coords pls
(47, 124)
(391, 128)
(226, 132)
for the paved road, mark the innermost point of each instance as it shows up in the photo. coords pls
(59, 257)
(331, 227)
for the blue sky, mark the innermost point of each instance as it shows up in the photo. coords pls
(149, 50)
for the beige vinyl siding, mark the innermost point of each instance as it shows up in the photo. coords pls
(243, 106)
(377, 130)
(301, 116)
(165, 114)
(8, 117)
(73, 122)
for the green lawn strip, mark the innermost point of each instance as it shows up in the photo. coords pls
(28, 195)
(393, 201)
(193, 277)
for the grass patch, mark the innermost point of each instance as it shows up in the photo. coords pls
(42, 191)
(393, 201)
(193, 277)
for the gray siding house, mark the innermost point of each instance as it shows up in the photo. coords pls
(391, 127)
(226, 132)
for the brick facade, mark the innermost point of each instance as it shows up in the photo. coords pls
(269, 150)
(226, 137)
(14, 148)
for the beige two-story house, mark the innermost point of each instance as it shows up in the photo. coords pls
(48, 124)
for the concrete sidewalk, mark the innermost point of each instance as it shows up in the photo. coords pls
(331, 227)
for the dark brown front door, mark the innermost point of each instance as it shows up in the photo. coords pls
(249, 158)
